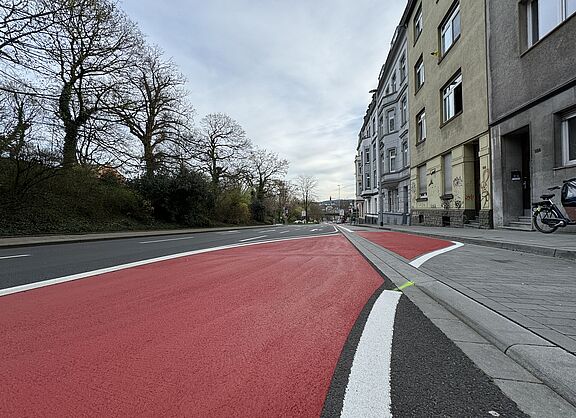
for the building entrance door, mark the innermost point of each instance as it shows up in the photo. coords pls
(516, 175)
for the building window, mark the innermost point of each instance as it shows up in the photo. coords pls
(381, 125)
(450, 30)
(452, 98)
(374, 125)
(404, 110)
(569, 138)
(545, 15)
(402, 68)
(418, 23)
(419, 73)
(422, 185)
(367, 153)
(421, 127)
(375, 182)
(368, 180)
(447, 167)
(392, 159)
(393, 82)
(405, 154)
(374, 151)
(391, 117)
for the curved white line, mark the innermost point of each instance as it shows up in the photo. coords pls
(422, 259)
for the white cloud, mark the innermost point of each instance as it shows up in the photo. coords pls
(296, 75)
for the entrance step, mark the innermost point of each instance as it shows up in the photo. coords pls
(525, 219)
(519, 226)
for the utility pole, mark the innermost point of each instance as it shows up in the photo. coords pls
(339, 205)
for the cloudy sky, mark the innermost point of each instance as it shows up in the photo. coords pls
(295, 74)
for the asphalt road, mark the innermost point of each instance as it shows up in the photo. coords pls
(19, 266)
(301, 327)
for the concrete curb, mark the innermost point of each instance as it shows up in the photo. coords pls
(505, 245)
(11, 242)
(554, 366)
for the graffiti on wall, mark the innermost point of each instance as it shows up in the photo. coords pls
(485, 188)
(457, 182)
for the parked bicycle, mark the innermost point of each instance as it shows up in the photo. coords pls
(547, 217)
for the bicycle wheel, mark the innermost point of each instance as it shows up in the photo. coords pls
(542, 214)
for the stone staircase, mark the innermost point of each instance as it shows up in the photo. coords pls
(524, 223)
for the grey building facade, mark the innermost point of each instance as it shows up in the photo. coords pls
(532, 111)
(392, 114)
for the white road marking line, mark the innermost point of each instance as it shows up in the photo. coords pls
(284, 232)
(58, 280)
(368, 390)
(228, 232)
(345, 229)
(268, 230)
(164, 240)
(314, 230)
(253, 238)
(421, 260)
(14, 256)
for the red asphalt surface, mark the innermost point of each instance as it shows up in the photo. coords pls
(253, 331)
(406, 245)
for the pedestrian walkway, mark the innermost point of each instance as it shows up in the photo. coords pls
(561, 244)
(495, 299)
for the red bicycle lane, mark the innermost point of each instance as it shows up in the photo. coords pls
(250, 331)
(406, 245)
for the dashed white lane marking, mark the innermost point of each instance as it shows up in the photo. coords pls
(421, 260)
(314, 230)
(164, 240)
(253, 238)
(72, 277)
(14, 256)
(368, 390)
(284, 232)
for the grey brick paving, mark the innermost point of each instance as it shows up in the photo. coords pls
(537, 292)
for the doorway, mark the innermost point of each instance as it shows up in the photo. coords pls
(516, 175)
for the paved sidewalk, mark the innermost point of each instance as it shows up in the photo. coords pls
(561, 244)
(552, 361)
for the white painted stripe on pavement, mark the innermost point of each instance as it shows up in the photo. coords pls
(368, 390)
(421, 260)
(14, 256)
(58, 280)
(314, 230)
(228, 232)
(253, 238)
(284, 232)
(164, 240)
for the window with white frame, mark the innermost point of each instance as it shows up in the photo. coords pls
(404, 109)
(447, 168)
(569, 139)
(392, 159)
(422, 184)
(419, 73)
(393, 83)
(450, 30)
(391, 118)
(544, 15)
(421, 127)
(418, 23)
(367, 182)
(452, 98)
(405, 154)
(402, 68)
(367, 154)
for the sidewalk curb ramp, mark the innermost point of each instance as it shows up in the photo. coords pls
(31, 241)
(554, 366)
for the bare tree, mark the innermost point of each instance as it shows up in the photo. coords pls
(89, 42)
(307, 186)
(151, 103)
(265, 167)
(220, 147)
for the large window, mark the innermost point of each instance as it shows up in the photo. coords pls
(569, 138)
(367, 153)
(421, 127)
(404, 110)
(545, 15)
(381, 125)
(391, 117)
(402, 68)
(447, 167)
(405, 154)
(419, 73)
(422, 185)
(450, 30)
(452, 98)
(392, 159)
(367, 183)
(393, 83)
(418, 23)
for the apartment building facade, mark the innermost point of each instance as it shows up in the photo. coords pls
(382, 160)
(532, 63)
(450, 173)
